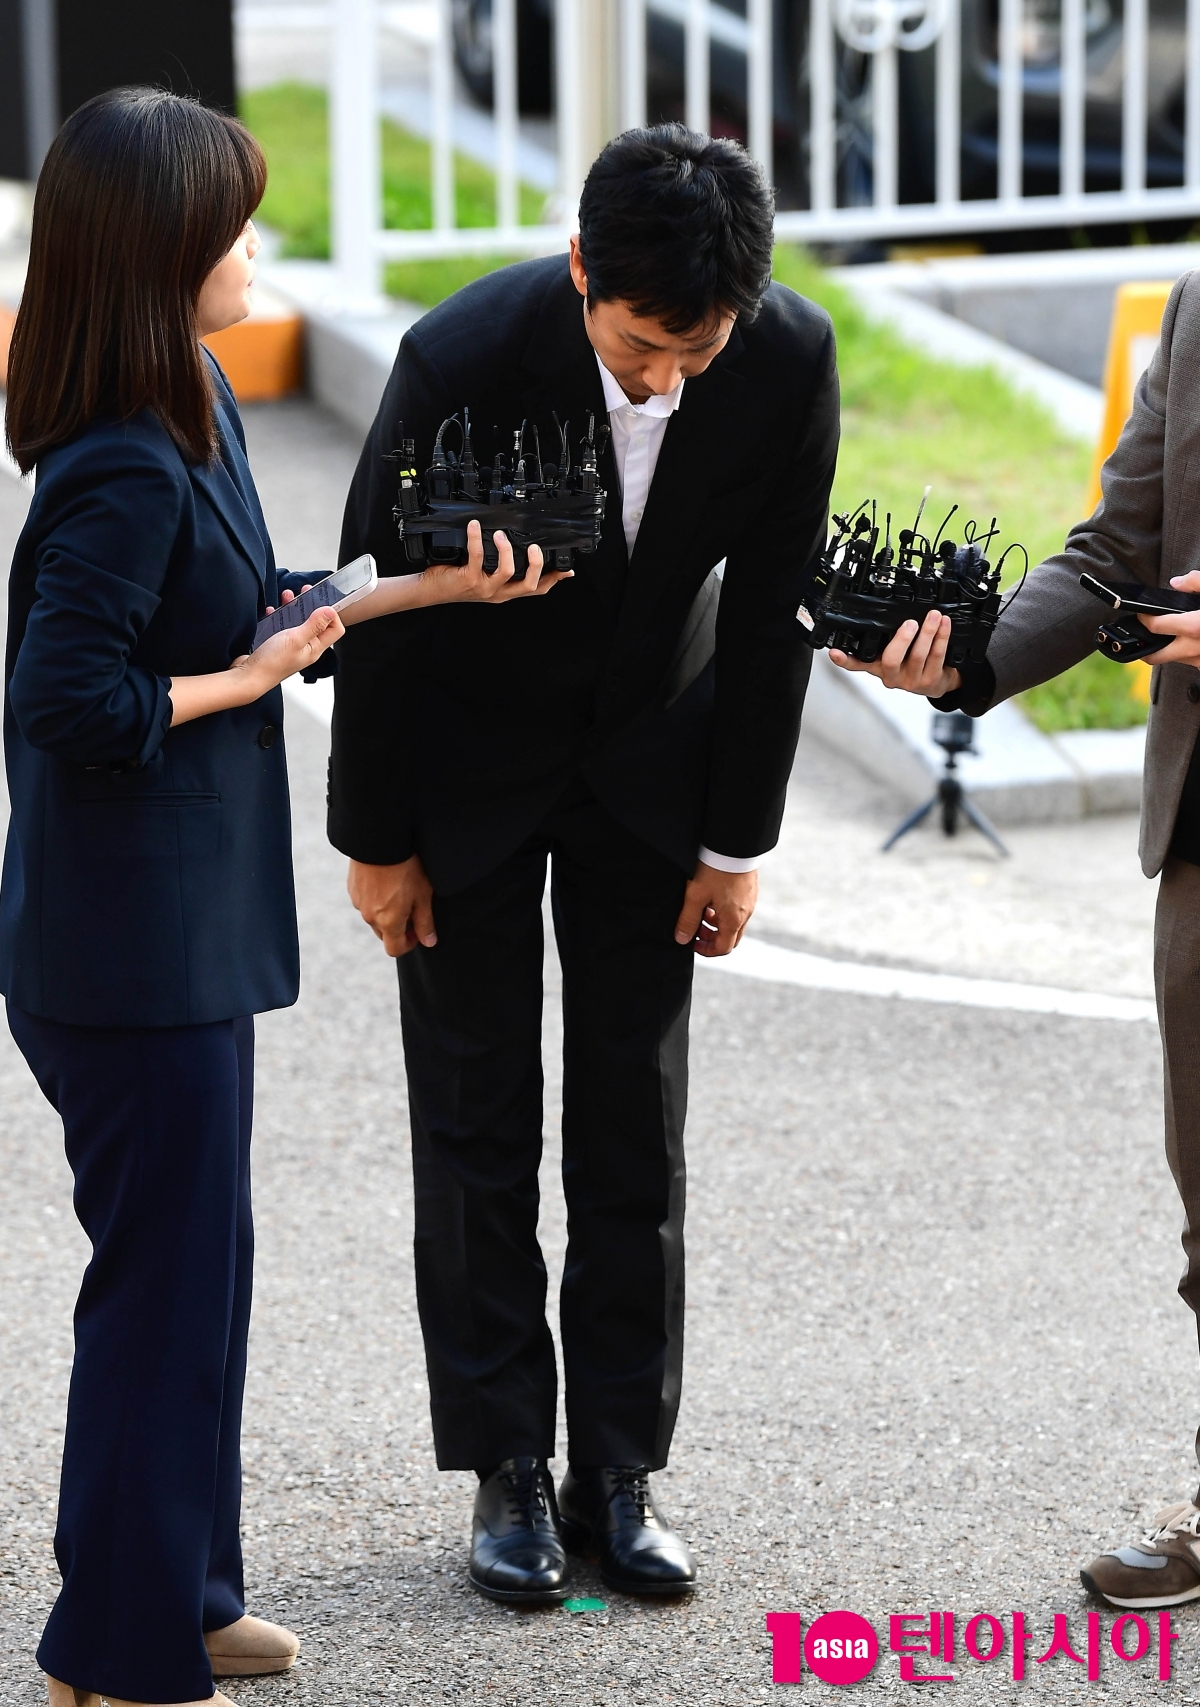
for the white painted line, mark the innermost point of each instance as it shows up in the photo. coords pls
(764, 960)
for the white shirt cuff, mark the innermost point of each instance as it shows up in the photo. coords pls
(724, 862)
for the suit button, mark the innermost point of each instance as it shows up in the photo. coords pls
(266, 736)
(1194, 694)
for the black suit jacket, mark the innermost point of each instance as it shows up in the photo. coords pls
(676, 695)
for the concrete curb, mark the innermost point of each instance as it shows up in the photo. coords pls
(1078, 408)
(1056, 306)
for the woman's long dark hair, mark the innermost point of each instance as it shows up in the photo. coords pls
(140, 196)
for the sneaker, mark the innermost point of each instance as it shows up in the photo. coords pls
(1162, 1569)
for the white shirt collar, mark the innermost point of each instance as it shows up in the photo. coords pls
(615, 398)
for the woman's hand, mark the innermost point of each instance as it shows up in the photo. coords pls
(446, 583)
(1185, 649)
(292, 649)
(248, 678)
(915, 658)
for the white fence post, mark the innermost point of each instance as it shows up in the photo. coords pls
(1012, 102)
(39, 31)
(1072, 47)
(948, 99)
(696, 66)
(822, 157)
(1133, 111)
(356, 173)
(633, 63)
(760, 116)
(885, 120)
(569, 106)
(442, 141)
(504, 106)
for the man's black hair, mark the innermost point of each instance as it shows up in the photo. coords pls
(677, 225)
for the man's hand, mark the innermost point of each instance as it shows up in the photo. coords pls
(397, 903)
(716, 909)
(1186, 649)
(447, 583)
(914, 658)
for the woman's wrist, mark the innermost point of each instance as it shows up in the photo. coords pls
(252, 681)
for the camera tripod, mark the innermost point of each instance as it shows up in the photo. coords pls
(954, 732)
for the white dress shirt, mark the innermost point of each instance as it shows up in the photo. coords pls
(638, 430)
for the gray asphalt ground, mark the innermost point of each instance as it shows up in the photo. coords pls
(935, 1357)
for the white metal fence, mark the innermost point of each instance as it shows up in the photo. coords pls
(1111, 56)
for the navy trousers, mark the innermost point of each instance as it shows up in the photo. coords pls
(157, 1126)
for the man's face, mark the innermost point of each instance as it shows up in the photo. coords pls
(643, 357)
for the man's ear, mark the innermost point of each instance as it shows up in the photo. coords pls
(577, 272)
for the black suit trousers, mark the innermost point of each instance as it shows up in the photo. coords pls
(471, 1010)
(157, 1126)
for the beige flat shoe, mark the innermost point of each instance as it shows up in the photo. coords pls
(250, 1648)
(62, 1695)
(214, 1700)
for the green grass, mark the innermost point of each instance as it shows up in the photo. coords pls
(908, 422)
(291, 121)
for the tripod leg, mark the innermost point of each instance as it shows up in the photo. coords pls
(950, 794)
(910, 823)
(983, 824)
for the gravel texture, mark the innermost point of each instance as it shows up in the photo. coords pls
(935, 1358)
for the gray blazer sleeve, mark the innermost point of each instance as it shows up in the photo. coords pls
(1052, 623)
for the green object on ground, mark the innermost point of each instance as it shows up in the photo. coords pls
(585, 1606)
(291, 121)
(909, 421)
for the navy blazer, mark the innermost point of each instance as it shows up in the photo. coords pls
(147, 876)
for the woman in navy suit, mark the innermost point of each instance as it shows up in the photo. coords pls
(146, 909)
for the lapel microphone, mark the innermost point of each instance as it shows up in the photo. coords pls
(557, 506)
(858, 593)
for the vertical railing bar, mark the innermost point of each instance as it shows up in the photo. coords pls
(885, 118)
(1011, 101)
(355, 165)
(504, 109)
(1071, 98)
(1191, 123)
(39, 43)
(760, 118)
(633, 63)
(696, 63)
(568, 106)
(822, 148)
(1133, 112)
(442, 142)
(949, 104)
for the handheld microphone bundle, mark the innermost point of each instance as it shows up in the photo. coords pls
(553, 505)
(858, 593)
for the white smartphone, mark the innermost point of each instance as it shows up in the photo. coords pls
(344, 587)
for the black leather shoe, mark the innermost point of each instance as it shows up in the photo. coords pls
(613, 1512)
(516, 1550)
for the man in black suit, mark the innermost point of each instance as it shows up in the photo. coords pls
(636, 727)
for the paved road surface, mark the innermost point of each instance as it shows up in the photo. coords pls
(935, 1358)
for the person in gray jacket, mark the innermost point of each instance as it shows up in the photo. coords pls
(1142, 528)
